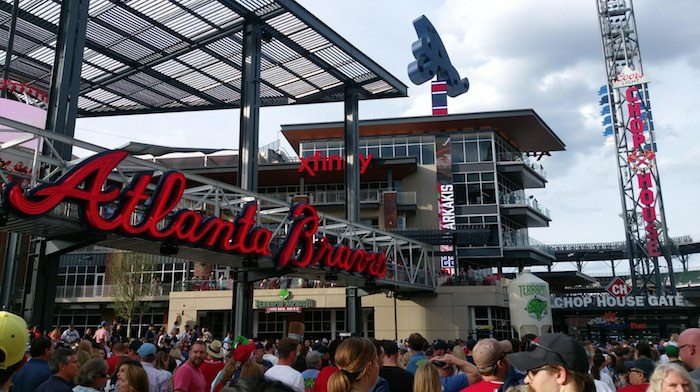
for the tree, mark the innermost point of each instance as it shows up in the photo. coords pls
(130, 277)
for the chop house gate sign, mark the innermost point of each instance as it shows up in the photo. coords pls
(86, 185)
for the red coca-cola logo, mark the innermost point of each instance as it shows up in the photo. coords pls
(87, 185)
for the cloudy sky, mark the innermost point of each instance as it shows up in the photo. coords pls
(539, 54)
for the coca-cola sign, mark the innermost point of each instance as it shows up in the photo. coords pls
(87, 185)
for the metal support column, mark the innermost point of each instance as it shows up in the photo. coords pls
(242, 317)
(353, 311)
(10, 45)
(9, 272)
(352, 164)
(242, 312)
(65, 77)
(43, 294)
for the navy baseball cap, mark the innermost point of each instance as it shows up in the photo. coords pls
(552, 349)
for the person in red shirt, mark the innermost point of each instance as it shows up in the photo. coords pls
(491, 362)
(555, 362)
(638, 375)
(188, 377)
(214, 362)
(118, 351)
(326, 372)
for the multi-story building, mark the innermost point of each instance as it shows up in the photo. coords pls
(457, 181)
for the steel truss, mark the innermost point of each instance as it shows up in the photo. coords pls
(621, 49)
(411, 265)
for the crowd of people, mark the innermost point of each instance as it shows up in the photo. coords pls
(191, 359)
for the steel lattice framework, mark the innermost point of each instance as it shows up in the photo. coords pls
(411, 264)
(621, 52)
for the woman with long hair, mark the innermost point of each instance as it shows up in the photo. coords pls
(427, 379)
(359, 366)
(598, 364)
(671, 377)
(132, 377)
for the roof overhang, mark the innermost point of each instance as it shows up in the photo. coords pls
(155, 56)
(523, 128)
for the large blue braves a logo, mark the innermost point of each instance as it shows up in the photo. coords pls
(432, 59)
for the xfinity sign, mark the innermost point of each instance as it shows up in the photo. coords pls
(618, 288)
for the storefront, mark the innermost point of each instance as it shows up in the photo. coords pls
(604, 316)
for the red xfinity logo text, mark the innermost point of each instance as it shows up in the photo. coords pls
(318, 162)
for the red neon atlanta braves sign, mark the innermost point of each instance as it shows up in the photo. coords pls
(86, 185)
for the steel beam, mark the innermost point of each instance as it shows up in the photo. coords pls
(250, 109)
(353, 311)
(352, 164)
(10, 45)
(65, 78)
(9, 273)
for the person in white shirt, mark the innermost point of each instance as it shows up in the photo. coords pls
(158, 380)
(283, 371)
(70, 335)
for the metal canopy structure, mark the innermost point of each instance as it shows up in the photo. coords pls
(152, 56)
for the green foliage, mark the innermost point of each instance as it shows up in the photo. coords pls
(130, 276)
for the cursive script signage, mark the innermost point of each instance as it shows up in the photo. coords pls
(107, 208)
(318, 162)
(432, 59)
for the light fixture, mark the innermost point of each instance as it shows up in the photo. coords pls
(169, 249)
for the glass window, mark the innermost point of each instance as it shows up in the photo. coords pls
(489, 193)
(374, 151)
(457, 152)
(460, 193)
(400, 150)
(488, 176)
(474, 194)
(485, 152)
(473, 177)
(428, 154)
(471, 153)
(387, 151)
(414, 151)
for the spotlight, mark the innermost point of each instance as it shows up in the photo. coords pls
(3, 220)
(250, 262)
(169, 249)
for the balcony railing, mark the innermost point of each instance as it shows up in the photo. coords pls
(518, 198)
(521, 239)
(404, 198)
(329, 197)
(520, 157)
(98, 291)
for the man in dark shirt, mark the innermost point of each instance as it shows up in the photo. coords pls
(37, 370)
(64, 365)
(399, 380)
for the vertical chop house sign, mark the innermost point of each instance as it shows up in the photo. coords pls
(86, 185)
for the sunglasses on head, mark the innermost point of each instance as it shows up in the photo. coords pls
(533, 345)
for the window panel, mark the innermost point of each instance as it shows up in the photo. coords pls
(471, 152)
(458, 152)
(428, 154)
(485, 151)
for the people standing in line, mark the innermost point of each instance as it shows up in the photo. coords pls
(132, 378)
(314, 360)
(118, 351)
(188, 377)
(671, 377)
(92, 376)
(399, 379)
(417, 343)
(270, 353)
(491, 363)
(672, 354)
(689, 351)
(427, 379)
(358, 366)
(158, 380)
(603, 381)
(64, 366)
(103, 334)
(37, 369)
(283, 371)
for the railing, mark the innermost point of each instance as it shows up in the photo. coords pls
(616, 245)
(283, 282)
(518, 197)
(521, 157)
(521, 239)
(329, 197)
(405, 198)
(95, 291)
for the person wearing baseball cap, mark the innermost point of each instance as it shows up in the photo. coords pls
(13, 344)
(555, 362)
(158, 379)
(639, 373)
(491, 363)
